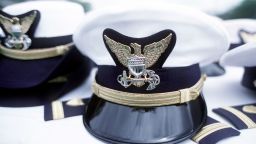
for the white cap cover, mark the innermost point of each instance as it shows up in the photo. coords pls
(200, 38)
(58, 18)
(243, 56)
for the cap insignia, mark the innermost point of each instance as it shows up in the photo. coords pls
(137, 63)
(17, 29)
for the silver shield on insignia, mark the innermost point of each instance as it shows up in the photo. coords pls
(138, 74)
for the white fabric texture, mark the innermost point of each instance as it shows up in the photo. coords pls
(200, 38)
(243, 56)
(210, 6)
(234, 26)
(58, 18)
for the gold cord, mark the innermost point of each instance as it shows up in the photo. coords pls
(39, 53)
(149, 100)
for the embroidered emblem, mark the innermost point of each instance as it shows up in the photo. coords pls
(137, 63)
(250, 109)
(17, 29)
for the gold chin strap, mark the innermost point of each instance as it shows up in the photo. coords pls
(40, 53)
(149, 100)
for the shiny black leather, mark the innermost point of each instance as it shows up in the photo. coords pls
(114, 123)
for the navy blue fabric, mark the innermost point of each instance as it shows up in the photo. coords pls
(231, 118)
(46, 92)
(235, 45)
(69, 111)
(234, 120)
(219, 135)
(249, 77)
(24, 74)
(172, 79)
(250, 115)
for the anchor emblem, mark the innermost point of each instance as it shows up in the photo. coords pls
(137, 63)
(17, 29)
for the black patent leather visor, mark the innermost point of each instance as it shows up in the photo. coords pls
(116, 123)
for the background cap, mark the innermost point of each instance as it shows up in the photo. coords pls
(58, 18)
(243, 56)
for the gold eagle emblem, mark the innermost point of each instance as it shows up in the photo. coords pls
(138, 62)
(151, 52)
(17, 29)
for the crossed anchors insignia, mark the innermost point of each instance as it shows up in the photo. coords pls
(17, 29)
(137, 63)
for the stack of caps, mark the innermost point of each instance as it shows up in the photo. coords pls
(38, 60)
(148, 85)
(240, 31)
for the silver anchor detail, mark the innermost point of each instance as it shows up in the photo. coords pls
(138, 74)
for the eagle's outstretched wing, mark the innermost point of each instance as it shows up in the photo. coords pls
(27, 21)
(7, 23)
(153, 51)
(122, 52)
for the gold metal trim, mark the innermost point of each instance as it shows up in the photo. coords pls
(247, 121)
(149, 100)
(40, 53)
(249, 109)
(207, 130)
(57, 110)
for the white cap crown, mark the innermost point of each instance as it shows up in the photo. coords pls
(58, 18)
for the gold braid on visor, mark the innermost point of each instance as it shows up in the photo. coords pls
(39, 53)
(152, 99)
